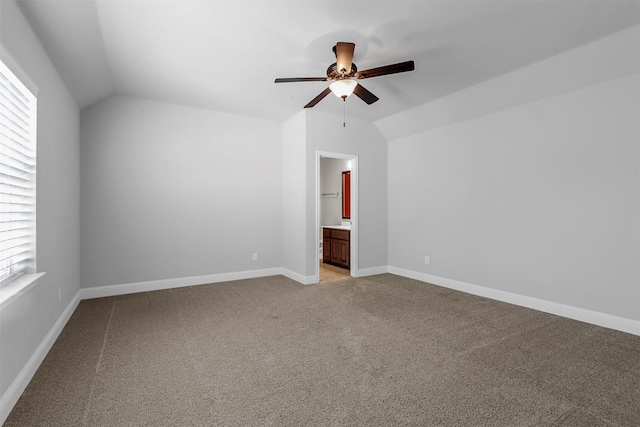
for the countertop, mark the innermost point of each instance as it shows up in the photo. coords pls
(338, 227)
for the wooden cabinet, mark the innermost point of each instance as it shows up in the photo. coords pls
(326, 245)
(336, 247)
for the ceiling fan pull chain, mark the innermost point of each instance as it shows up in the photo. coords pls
(344, 112)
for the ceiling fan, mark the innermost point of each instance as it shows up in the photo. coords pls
(344, 74)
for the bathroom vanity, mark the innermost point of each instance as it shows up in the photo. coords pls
(335, 245)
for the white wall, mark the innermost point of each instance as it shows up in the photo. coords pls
(331, 182)
(360, 138)
(28, 320)
(539, 197)
(303, 135)
(293, 191)
(170, 191)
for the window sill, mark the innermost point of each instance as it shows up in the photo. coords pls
(15, 288)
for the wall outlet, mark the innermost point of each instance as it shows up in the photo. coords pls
(254, 256)
(59, 293)
(426, 260)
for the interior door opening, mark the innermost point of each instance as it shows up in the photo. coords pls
(336, 215)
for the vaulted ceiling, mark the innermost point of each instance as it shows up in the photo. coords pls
(225, 55)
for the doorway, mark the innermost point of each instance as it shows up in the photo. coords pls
(335, 231)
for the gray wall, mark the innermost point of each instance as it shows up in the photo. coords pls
(26, 321)
(293, 191)
(535, 197)
(304, 134)
(361, 138)
(170, 191)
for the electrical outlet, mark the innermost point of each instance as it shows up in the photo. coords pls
(255, 256)
(59, 293)
(426, 260)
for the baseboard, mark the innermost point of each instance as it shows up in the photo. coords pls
(372, 271)
(19, 384)
(158, 285)
(305, 280)
(310, 280)
(596, 318)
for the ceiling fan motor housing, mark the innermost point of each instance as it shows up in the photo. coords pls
(333, 73)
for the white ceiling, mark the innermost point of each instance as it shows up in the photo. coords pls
(225, 55)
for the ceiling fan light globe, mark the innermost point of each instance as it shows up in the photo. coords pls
(343, 88)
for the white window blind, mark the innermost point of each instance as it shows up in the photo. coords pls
(17, 177)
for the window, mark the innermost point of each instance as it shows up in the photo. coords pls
(17, 177)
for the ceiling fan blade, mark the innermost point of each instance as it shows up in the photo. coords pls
(400, 67)
(300, 79)
(364, 94)
(318, 98)
(344, 56)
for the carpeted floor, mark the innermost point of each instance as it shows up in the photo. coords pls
(375, 351)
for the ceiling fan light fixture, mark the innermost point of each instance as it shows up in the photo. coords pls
(343, 88)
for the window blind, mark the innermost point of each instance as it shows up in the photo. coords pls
(17, 177)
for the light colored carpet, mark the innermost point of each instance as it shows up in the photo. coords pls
(374, 351)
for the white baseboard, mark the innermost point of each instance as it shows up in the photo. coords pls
(19, 384)
(594, 317)
(372, 271)
(305, 280)
(157, 285)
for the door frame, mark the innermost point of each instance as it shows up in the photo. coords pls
(353, 237)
